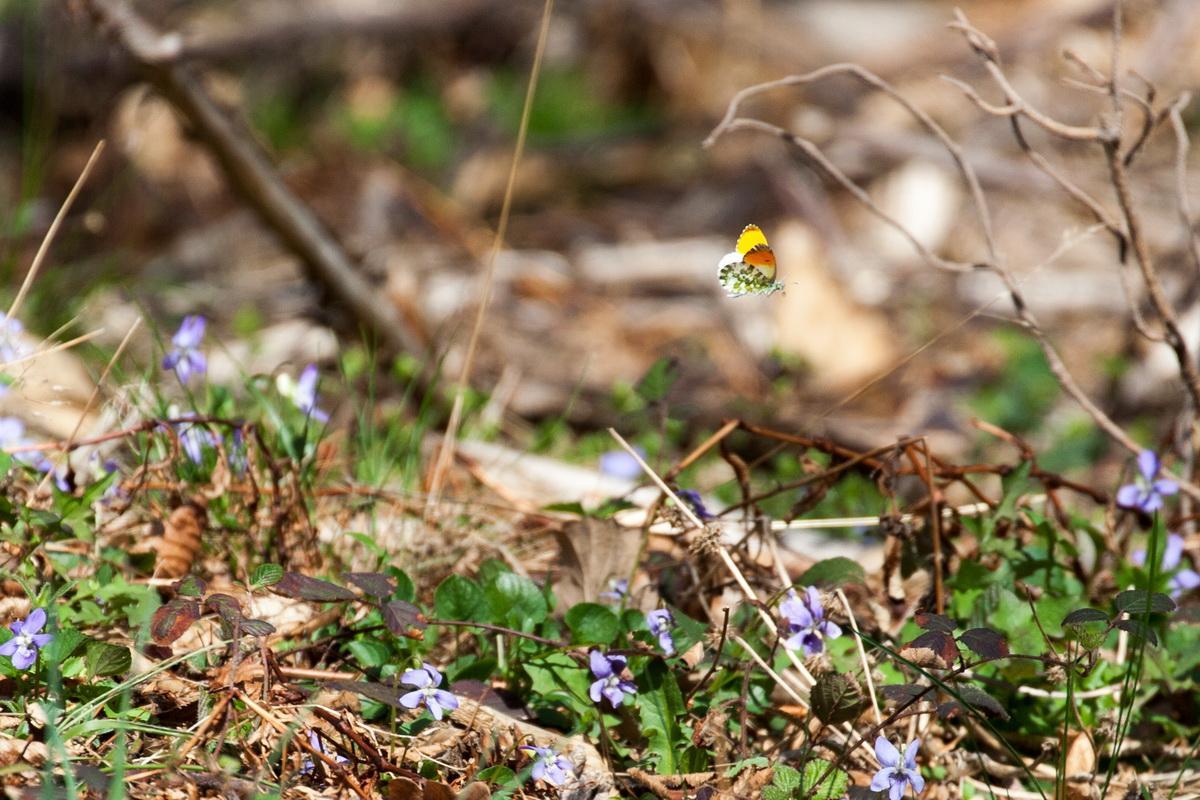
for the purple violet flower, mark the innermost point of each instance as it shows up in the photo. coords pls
(23, 647)
(427, 680)
(303, 391)
(610, 683)
(619, 464)
(12, 434)
(1147, 491)
(1182, 581)
(693, 499)
(618, 590)
(185, 357)
(239, 459)
(315, 742)
(549, 766)
(893, 775)
(660, 623)
(12, 347)
(193, 438)
(807, 627)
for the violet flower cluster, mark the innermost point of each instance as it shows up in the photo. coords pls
(26, 640)
(610, 683)
(619, 464)
(303, 391)
(1184, 579)
(807, 627)
(693, 499)
(12, 347)
(895, 773)
(185, 357)
(660, 621)
(618, 590)
(1147, 491)
(549, 766)
(427, 680)
(12, 434)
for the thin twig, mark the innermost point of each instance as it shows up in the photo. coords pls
(44, 248)
(862, 656)
(446, 452)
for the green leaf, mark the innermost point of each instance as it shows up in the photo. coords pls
(592, 623)
(836, 571)
(736, 767)
(834, 785)
(66, 643)
(191, 586)
(266, 575)
(1138, 629)
(660, 705)
(658, 380)
(1082, 615)
(370, 653)
(406, 590)
(836, 698)
(497, 774)
(573, 507)
(1015, 486)
(1135, 602)
(556, 675)
(786, 780)
(458, 598)
(105, 659)
(515, 601)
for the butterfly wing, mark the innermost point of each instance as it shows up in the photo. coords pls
(752, 236)
(762, 258)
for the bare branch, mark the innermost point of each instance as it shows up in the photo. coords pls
(986, 48)
(1141, 253)
(1016, 107)
(1182, 145)
(838, 176)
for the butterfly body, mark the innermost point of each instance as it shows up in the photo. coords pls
(750, 268)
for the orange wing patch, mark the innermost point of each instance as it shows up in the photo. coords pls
(762, 257)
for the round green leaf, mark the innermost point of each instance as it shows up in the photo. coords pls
(370, 653)
(592, 623)
(458, 598)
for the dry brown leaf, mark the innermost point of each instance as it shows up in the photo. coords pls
(1081, 756)
(593, 552)
(21, 751)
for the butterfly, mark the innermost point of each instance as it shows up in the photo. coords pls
(750, 268)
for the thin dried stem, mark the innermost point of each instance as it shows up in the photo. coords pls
(862, 656)
(43, 250)
(446, 452)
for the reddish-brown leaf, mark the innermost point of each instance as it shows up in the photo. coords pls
(171, 620)
(374, 584)
(302, 587)
(942, 644)
(985, 642)
(404, 619)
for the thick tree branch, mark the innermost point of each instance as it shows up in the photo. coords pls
(253, 176)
